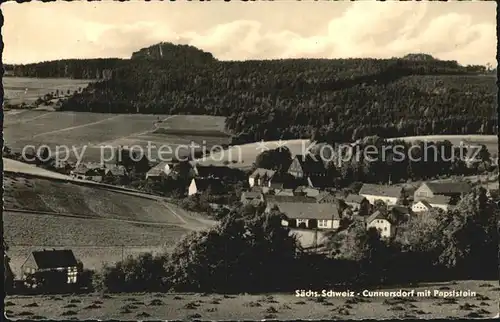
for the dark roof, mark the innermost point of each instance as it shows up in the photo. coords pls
(400, 209)
(94, 172)
(439, 200)
(261, 172)
(203, 183)
(319, 181)
(449, 187)
(352, 198)
(296, 199)
(280, 181)
(47, 259)
(212, 171)
(380, 190)
(116, 170)
(425, 203)
(309, 164)
(297, 210)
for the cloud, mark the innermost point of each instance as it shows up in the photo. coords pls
(364, 29)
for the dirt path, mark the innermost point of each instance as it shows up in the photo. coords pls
(116, 140)
(22, 121)
(77, 126)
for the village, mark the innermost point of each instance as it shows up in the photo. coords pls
(306, 193)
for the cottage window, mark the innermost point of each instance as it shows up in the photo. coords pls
(72, 274)
(322, 222)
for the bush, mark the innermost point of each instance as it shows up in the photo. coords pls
(145, 273)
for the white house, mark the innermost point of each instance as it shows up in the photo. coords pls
(308, 215)
(436, 202)
(381, 222)
(388, 194)
(421, 206)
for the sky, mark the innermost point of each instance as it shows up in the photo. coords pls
(461, 31)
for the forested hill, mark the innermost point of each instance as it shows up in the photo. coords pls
(171, 52)
(100, 68)
(339, 99)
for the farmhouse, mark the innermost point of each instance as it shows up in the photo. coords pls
(382, 223)
(260, 177)
(388, 194)
(84, 172)
(437, 202)
(198, 185)
(304, 166)
(252, 197)
(421, 206)
(308, 215)
(429, 190)
(48, 262)
(159, 170)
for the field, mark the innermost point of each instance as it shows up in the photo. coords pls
(97, 223)
(490, 141)
(157, 306)
(20, 167)
(242, 156)
(95, 134)
(27, 90)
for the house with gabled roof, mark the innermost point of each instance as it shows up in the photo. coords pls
(388, 194)
(382, 223)
(304, 166)
(47, 261)
(436, 202)
(159, 170)
(429, 190)
(308, 215)
(260, 177)
(88, 172)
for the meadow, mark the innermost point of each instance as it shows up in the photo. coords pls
(89, 133)
(27, 90)
(154, 306)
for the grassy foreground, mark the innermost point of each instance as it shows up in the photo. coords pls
(276, 306)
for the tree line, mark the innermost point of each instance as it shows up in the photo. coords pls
(242, 254)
